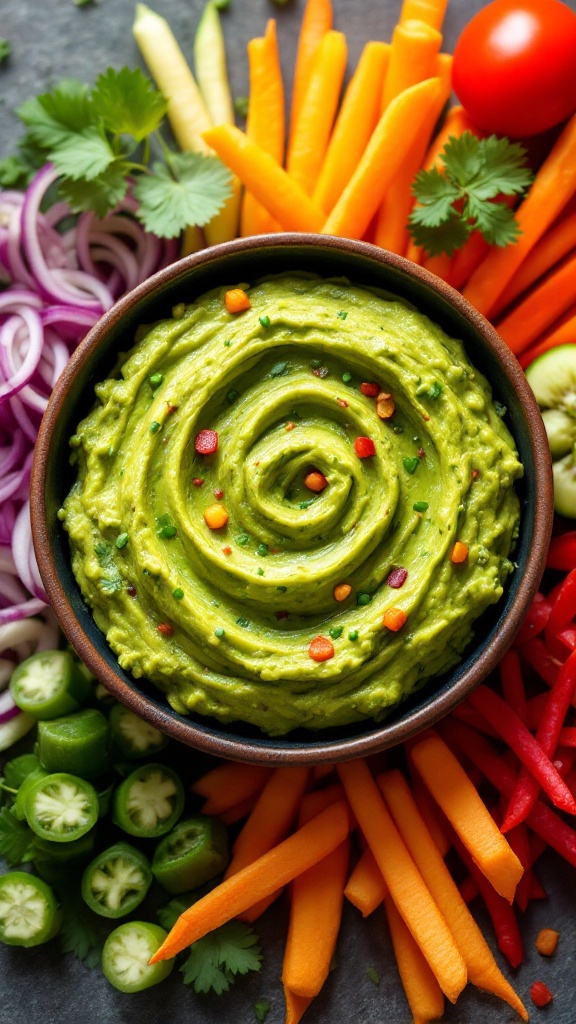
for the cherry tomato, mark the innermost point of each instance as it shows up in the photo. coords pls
(515, 66)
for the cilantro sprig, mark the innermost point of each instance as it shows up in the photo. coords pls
(106, 139)
(214, 961)
(455, 201)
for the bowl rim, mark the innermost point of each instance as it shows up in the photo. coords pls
(277, 750)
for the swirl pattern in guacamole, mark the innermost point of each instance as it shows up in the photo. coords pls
(222, 619)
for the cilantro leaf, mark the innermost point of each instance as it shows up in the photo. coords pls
(5, 49)
(15, 173)
(99, 195)
(111, 581)
(52, 117)
(261, 1010)
(16, 770)
(215, 960)
(127, 103)
(460, 199)
(189, 189)
(79, 933)
(16, 839)
(169, 914)
(84, 154)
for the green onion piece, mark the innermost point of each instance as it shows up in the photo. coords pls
(156, 380)
(411, 464)
(420, 506)
(232, 396)
(264, 321)
(178, 593)
(353, 634)
(363, 598)
(243, 622)
(342, 314)
(154, 427)
(262, 550)
(435, 390)
(219, 631)
(242, 539)
(121, 540)
(347, 377)
(336, 632)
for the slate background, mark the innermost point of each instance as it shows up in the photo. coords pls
(54, 39)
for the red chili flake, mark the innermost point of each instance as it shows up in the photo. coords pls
(290, 426)
(206, 442)
(364, 447)
(170, 408)
(131, 591)
(342, 403)
(165, 628)
(540, 994)
(198, 481)
(281, 615)
(218, 493)
(421, 453)
(321, 371)
(425, 417)
(370, 390)
(475, 474)
(227, 550)
(397, 578)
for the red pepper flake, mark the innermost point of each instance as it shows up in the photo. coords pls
(342, 403)
(227, 550)
(321, 649)
(170, 408)
(364, 447)
(370, 389)
(475, 474)
(198, 481)
(165, 628)
(540, 994)
(218, 493)
(290, 426)
(320, 371)
(206, 442)
(397, 578)
(281, 615)
(131, 591)
(421, 453)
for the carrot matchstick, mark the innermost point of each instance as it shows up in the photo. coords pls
(366, 888)
(316, 21)
(229, 783)
(467, 813)
(563, 335)
(265, 123)
(430, 11)
(557, 243)
(276, 868)
(404, 881)
(415, 47)
(543, 305)
(423, 992)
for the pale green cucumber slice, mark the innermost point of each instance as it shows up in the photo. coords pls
(564, 472)
(552, 378)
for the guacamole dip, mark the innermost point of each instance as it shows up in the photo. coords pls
(312, 606)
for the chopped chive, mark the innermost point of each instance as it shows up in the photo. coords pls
(178, 593)
(242, 539)
(243, 622)
(154, 427)
(420, 506)
(122, 540)
(227, 344)
(353, 634)
(336, 632)
(373, 975)
(411, 464)
(156, 380)
(363, 598)
(264, 321)
(306, 504)
(342, 314)
(315, 363)
(347, 377)
(232, 396)
(282, 589)
(435, 390)
(167, 532)
(219, 632)
(260, 570)
(262, 550)
(278, 369)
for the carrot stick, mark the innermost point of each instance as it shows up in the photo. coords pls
(415, 46)
(296, 1006)
(563, 335)
(396, 131)
(541, 308)
(466, 259)
(264, 876)
(439, 265)
(403, 878)
(269, 183)
(356, 121)
(423, 992)
(309, 140)
(454, 792)
(557, 243)
(553, 186)
(502, 914)
(316, 21)
(483, 970)
(320, 772)
(269, 823)
(429, 812)
(229, 783)
(237, 812)
(265, 123)
(366, 887)
(316, 801)
(430, 11)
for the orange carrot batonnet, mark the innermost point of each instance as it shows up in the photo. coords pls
(316, 21)
(264, 876)
(395, 133)
(483, 970)
(430, 11)
(469, 816)
(553, 187)
(229, 783)
(265, 123)
(541, 308)
(366, 888)
(423, 992)
(563, 335)
(309, 140)
(466, 259)
(239, 811)
(405, 883)
(356, 121)
(415, 47)
(269, 183)
(296, 1006)
(557, 243)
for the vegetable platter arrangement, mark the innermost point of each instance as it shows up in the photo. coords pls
(115, 843)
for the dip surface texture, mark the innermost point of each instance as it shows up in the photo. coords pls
(222, 619)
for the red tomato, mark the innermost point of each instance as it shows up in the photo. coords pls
(515, 66)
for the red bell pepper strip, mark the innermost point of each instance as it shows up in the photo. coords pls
(535, 708)
(501, 912)
(466, 742)
(536, 890)
(466, 713)
(568, 638)
(528, 750)
(468, 889)
(535, 621)
(547, 736)
(539, 658)
(567, 737)
(513, 682)
(518, 839)
(563, 609)
(562, 552)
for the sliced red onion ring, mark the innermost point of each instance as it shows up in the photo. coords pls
(8, 708)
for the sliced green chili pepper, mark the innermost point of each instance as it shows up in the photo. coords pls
(77, 744)
(116, 881)
(24, 789)
(61, 807)
(195, 851)
(149, 802)
(134, 737)
(49, 684)
(54, 861)
(29, 913)
(126, 953)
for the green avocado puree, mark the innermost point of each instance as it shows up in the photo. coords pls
(222, 619)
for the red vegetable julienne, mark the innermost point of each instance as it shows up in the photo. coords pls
(364, 447)
(370, 390)
(502, 914)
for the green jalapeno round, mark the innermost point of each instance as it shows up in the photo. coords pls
(134, 737)
(29, 912)
(61, 807)
(54, 861)
(149, 802)
(126, 953)
(77, 744)
(23, 790)
(116, 881)
(195, 851)
(49, 684)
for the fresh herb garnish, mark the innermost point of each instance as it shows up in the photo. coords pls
(215, 960)
(373, 975)
(261, 1010)
(16, 839)
(5, 49)
(79, 933)
(102, 138)
(457, 200)
(111, 581)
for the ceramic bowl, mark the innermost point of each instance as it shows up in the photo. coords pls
(247, 260)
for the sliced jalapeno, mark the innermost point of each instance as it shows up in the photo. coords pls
(195, 851)
(116, 881)
(49, 684)
(29, 913)
(149, 802)
(24, 789)
(61, 807)
(77, 744)
(54, 861)
(134, 737)
(126, 953)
